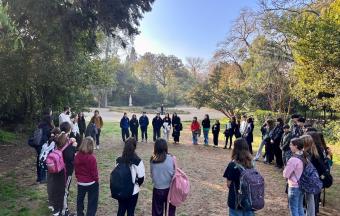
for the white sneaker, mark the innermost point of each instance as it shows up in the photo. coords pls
(51, 208)
(97, 147)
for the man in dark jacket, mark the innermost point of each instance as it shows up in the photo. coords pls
(284, 145)
(157, 123)
(276, 139)
(124, 125)
(144, 122)
(295, 128)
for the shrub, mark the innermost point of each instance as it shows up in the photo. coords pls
(262, 115)
(332, 132)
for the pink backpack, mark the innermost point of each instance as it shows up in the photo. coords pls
(179, 187)
(55, 161)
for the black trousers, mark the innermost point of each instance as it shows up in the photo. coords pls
(278, 155)
(57, 190)
(134, 133)
(92, 192)
(156, 133)
(228, 137)
(127, 205)
(159, 202)
(269, 151)
(125, 133)
(250, 146)
(97, 136)
(144, 131)
(215, 138)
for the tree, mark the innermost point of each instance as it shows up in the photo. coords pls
(196, 66)
(221, 92)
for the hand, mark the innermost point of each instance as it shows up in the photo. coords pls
(75, 144)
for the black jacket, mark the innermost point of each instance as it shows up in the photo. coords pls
(277, 134)
(175, 121)
(82, 125)
(134, 124)
(46, 132)
(68, 155)
(157, 123)
(216, 128)
(206, 123)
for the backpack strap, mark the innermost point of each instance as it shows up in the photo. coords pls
(65, 146)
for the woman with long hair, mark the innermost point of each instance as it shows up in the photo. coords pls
(162, 171)
(240, 157)
(137, 168)
(206, 128)
(177, 127)
(166, 127)
(268, 140)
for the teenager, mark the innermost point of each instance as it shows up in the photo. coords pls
(237, 129)
(47, 148)
(81, 125)
(295, 129)
(124, 125)
(91, 130)
(144, 122)
(75, 133)
(46, 126)
(60, 182)
(137, 169)
(292, 172)
(284, 145)
(162, 171)
(240, 156)
(65, 116)
(230, 132)
(248, 133)
(268, 141)
(134, 127)
(157, 124)
(312, 154)
(166, 127)
(98, 121)
(263, 130)
(86, 171)
(195, 130)
(275, 140)
(216, 131)
(206, 128)
(243, 124)
(177, 127)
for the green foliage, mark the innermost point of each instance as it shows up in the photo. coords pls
(331, 132)
(262, 115)
(7, 136)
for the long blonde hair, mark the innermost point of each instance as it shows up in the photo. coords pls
(309, 146)
(87, 145)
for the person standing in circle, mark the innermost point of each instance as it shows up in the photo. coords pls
(134, 127)
(166, 127)
(124, 125)
(157, 124)
(144, 122)
(177, 127)
(206, 128)
(216, 131)
(98, 121)
(196, 130)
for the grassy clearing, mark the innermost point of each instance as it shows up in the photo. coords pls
(148, 110)
(16, 200)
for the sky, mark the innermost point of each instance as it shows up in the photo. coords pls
(188, 28)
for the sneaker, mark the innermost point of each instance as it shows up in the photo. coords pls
(51, 208)
(97, 147)
(56, 213)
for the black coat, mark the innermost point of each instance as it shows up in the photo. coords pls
(248, 134)
(206, 123)
(134, 124)
(175, 121)
(216, 128)
(277, 134)
(157, 123)
(82, 125)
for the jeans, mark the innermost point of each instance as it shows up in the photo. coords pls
(97, 136)
(259, 151)
(92, 197)
(125, 133)
(156, 133)
(206, 134)
(310, 205)
(159, 202)
(194, 138)
(234, 212)
(295, 201)
(144, 130)
(127, 205)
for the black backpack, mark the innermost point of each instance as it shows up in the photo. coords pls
(35, 139)
(121, 182)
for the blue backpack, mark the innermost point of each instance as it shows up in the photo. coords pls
(309, 181)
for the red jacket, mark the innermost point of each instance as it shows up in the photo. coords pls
(195, 126)
(85, 166)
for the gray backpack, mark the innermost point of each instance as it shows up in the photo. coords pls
(35, 139)
(250, 196)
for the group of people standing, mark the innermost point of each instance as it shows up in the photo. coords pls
(158, 123)
(234, 127)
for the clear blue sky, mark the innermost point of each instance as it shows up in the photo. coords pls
(188, 27)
